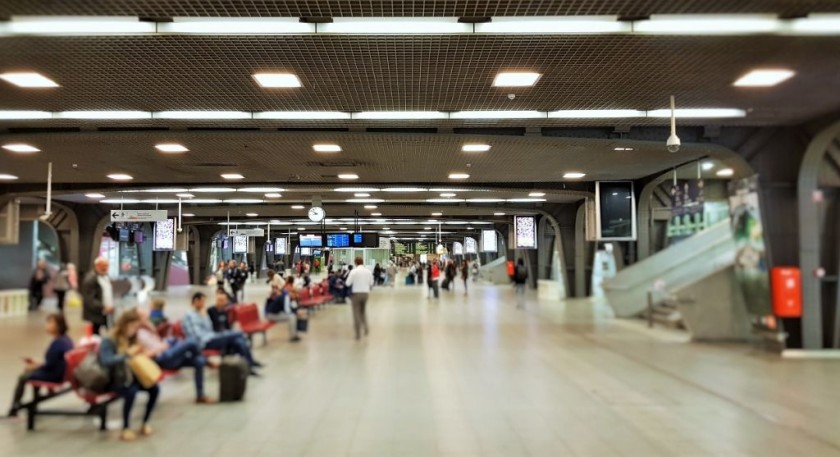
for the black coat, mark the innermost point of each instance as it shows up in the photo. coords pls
(92, 306)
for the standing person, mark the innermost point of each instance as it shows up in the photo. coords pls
(97, 295)
(474, 271)
(520, 279)
(450, 271)
(377, 274)
(243, 278)
(220, 275)
(114, 354)
(465, 274)
(252, 272)
(63, 284)
(52, 370)
(392, 274)
(232, 277)
(433, 279)
(40, 277)
(361, 280)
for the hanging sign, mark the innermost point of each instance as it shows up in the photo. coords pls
(133, 215)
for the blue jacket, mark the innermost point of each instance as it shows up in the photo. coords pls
(54, 364)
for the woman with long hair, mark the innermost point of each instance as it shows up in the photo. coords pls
(114, 353)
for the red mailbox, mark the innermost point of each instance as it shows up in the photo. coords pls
(786, 285)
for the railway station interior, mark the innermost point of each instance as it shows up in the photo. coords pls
(406, 228)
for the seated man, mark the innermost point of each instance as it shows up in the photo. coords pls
(173, 354)
(197, 325)
(336, 286)
(219, 313)
(278, 308)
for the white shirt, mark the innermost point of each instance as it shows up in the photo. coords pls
(361, 279)
(107, 290)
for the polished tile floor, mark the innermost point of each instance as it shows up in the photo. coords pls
(470, 376)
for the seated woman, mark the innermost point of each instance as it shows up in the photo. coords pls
(52, 370)
(172, 354)
(114, 353)
(279, 307)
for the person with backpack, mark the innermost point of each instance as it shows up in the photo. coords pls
(520, 279)
(450, 272)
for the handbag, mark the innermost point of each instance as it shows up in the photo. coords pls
(73, 299)
(91, 375)
(145, 370)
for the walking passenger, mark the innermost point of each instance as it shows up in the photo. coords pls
(361, 281)
(97, 295)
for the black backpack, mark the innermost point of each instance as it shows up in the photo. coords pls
(521, 273)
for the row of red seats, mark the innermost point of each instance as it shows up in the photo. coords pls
(316, 295)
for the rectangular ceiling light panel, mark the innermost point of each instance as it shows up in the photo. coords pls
(554, 25)
(78, 25)
(395, 26)
(708, 24)
(235, 26)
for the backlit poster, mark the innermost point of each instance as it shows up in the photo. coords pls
(687, 203)
(751, 270)
(240, 244)
(457, 248)
(470, 246)
(164, 235)
(280, 246)
(525, 229)
(488, 241)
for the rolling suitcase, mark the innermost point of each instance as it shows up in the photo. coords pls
(233, 379)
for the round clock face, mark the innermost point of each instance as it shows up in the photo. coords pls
(316, 214)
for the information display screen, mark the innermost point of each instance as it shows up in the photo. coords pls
(305, 252)
(488, 241)
(365, 240)
(280, 246)
(338, 240)
(457, 248)
(164, 235)
(616, 214)
(240, 244)
(470, 246)
(311, 241)
(269, 247)
(525, 231)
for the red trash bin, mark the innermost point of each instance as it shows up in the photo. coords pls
(786, 284)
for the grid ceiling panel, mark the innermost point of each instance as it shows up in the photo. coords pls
(286, 158)
(385, 8)
(448, 73)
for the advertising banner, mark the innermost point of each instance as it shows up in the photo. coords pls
(470, 246)
(457, 248)
(687, 203)
(525, 229)
(164, 235)
(751, 263)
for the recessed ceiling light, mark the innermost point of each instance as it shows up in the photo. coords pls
(574, 175)
(458, 176)
(348, 176)
(447, 195)
(188, 214)
(708, 165)
(475, 148)
(375, 214)
(298, 207)
(21, 148)
(171, 147)
(95, 195)
(185, 195)
(437, 214)
(371, 206)
(120, 201)
(386, 228)
(623, 149)
(516, 79)
(273, 195)
(361, 195)
(120, 177)
(427, 228)
(764, 78)
(537, 194)
(725, 172)
(498, 214)
(277, 80)
(301, 229)
(251, 214)
(28, 79)
(326, 148)
(232, 176)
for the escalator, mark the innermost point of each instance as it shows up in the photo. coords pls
(701, 256)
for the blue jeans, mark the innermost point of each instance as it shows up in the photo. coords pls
(129, 394)
(186, 353)
(231, 342)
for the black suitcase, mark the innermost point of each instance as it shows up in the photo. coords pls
(233, 378)
(445, 285)
(302, 325)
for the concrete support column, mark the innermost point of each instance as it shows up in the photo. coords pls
(580, 252)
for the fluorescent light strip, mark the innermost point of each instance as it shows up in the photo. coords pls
(497, 115)
(554, 25)
(301, 115)
(212, 190)
(201, 115)
(14, 115)
(595, 114)
(764, 77)
(235, 26)
(688, 113)
(400, 115)
(103, 115)
(708, 24)
(395, 26)
(278, 80)
(404, 189)
(445, 200)
(261, 190)
(815, 24)
(28, 79)
(77, 25)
